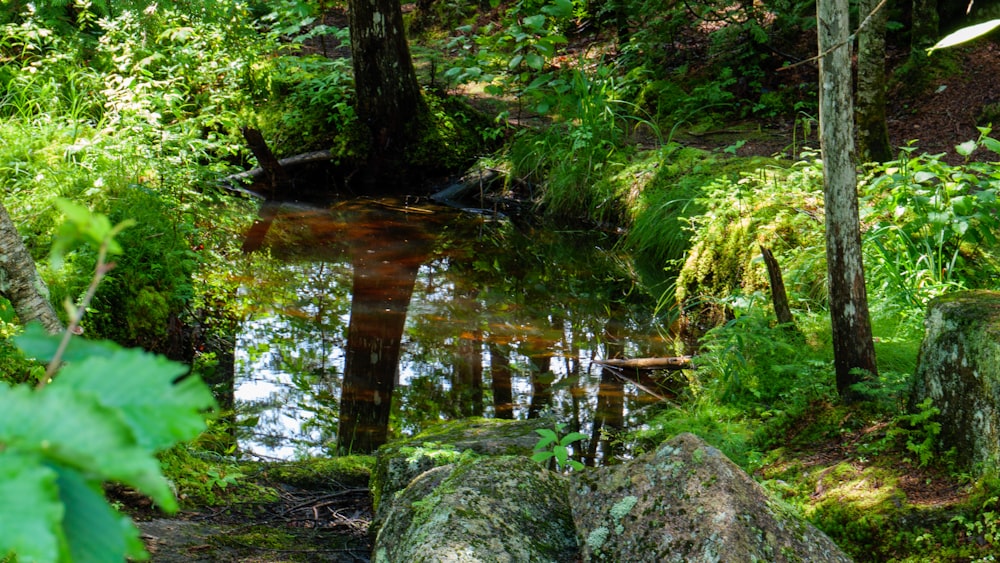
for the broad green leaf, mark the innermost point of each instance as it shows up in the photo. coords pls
(94, 531)
(535, 61)
(37, 343)
(562, 454)
(516, 60)
(966, 148)
(572, 437)
(30, 510)
(541, 456)
(559, 9)
(73, 429)
(548, 437)
(992, 144)
(575, 464)
(535, 23)
(965, 34)
(141, 386)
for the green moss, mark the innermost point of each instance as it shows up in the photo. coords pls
(323, 473)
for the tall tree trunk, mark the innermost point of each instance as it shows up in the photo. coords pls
(389, 98)
(853, 348)
(924, 26)
(19, 281)
(873, 134)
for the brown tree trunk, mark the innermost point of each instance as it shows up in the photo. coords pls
(779, 297)
(389, 99)
(853, 348)
(873, 133)
(19, 281)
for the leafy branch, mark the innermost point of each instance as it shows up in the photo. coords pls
(102, 420)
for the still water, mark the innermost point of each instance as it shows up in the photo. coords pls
(371, 319)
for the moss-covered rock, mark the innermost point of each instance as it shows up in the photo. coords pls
(959, 370)
(488, 509)
(687, 502)
(400, 462)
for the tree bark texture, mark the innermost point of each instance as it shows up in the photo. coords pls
(19, 281)
(873, 133)
(779, 297)
(388, 94)
(853, 348)
(924, 27)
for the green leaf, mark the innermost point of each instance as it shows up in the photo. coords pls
(141, 386)
(572, 437)
(516, 60)
(562, 454)
(576, 464)
(541, 456)
(965, 34)
(73, 429)
(535, 61)
(559, 9)
(94, 531)
(535, 23)
(37, 343)
(31, 513)
(991, 144)
(966, 148)
(548, 437)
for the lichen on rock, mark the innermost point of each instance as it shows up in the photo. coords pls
(398, 463)
(691, 503)
(959, 370)
(487, 509)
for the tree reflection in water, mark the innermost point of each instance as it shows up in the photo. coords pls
(450, 315)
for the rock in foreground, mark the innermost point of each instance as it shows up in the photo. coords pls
(959, 371)
(488, 509)
(687, 502)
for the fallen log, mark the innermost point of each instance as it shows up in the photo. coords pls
(669, 363)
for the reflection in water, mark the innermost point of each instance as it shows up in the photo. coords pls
(431, 314)
(386, 253)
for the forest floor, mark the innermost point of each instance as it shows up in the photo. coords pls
(327, 521)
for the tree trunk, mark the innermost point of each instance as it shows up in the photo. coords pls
(873, 133)
(923, 29)
(779, 297)
(853, 348)
(19, 281)
(389, 99)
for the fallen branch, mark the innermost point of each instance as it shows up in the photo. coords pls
(673, 363)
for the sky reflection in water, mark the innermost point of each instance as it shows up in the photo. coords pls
(497, 310)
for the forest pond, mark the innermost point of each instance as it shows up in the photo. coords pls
(370, 319)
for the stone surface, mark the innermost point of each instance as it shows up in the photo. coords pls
(486, 509)
(400, 462)
(959, 370)
(687, 502)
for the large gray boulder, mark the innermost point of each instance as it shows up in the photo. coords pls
(687, 502)
(684, 502)
(398, 463)
(959, 371)
(503, 509)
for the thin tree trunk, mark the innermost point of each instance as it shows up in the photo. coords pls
(853, 348)
(873, 133)
(779, 297)
(19, 281)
